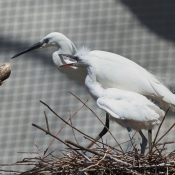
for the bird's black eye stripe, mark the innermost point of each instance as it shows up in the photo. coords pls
(46, 40)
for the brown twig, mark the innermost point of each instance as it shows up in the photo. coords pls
(5, 71)
(158, 132)
(66, 121)
(165, 133)
(165, 143)
(63, 127)
(96, 163)
(96, 153)
(37, 148)
(47, 124)
(72, 128)
(98, 119)
(55, 137)
(161, 125)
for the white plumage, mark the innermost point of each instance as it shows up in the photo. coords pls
(129, 109)
(112, 70)
(115, 71)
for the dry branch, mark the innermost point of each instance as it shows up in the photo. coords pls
(5, 71)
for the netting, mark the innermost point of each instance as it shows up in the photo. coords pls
(142, 32)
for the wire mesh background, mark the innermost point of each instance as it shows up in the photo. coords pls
(142, 31)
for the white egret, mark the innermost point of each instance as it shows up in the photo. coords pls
(112, 70)
(129, 109)
(64, 45)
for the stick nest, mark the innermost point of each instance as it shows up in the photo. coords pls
(101, 160)
(106, 162)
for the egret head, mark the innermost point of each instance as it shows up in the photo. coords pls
(53, 39)
(81, 58)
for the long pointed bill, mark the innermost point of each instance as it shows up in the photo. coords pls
(68, 56)
(35, 46)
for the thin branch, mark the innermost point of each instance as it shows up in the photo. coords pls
(161, 125)
(92, 140)
(47, 124)
(158, 132)
(165, 143)
(66, 121)
(63, 127)
(72, 128)
(166, 133)
(96, 153)
(96, 163)
(37, 148)
(98, 119)
(62, 141)
(5, 71)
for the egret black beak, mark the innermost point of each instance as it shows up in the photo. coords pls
(35, 46)
(68, 56)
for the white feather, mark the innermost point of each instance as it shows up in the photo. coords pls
(115, 71)
(112, 70)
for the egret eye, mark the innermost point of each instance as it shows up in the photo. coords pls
(46, 40)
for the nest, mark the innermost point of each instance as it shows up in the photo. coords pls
(101, 160)
(104, 161)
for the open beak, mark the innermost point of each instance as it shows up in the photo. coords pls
(68, 56)
(35, 46)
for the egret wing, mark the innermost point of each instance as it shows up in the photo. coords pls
(127, 110)
(119, 72)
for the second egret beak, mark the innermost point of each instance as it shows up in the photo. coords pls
(68, 56)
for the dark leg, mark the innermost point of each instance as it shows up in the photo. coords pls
(144, 142)
(150, 138)
(102, 133)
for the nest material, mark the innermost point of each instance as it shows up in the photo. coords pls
(103, 160)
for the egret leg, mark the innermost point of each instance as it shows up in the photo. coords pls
(150, 138)
(144, 142)
(130, 142)
(102, 133)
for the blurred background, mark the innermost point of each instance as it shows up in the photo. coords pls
(142, 31)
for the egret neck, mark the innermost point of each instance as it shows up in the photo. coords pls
(91, 84)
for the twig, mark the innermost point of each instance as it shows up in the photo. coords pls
(161, 125)
(51, 134)
(66, 121)
(96, 153)
(37, 148)
(73, 129)
(92, 140)
(160, 155)
(166, 133)
(63, 127)
(25, 152)
(5, 71)
(54, 150)
(55, 137)
(96, 163)
(46, 121)
(158, 132)
(98, 119)
(112, 147)
(165, 143)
